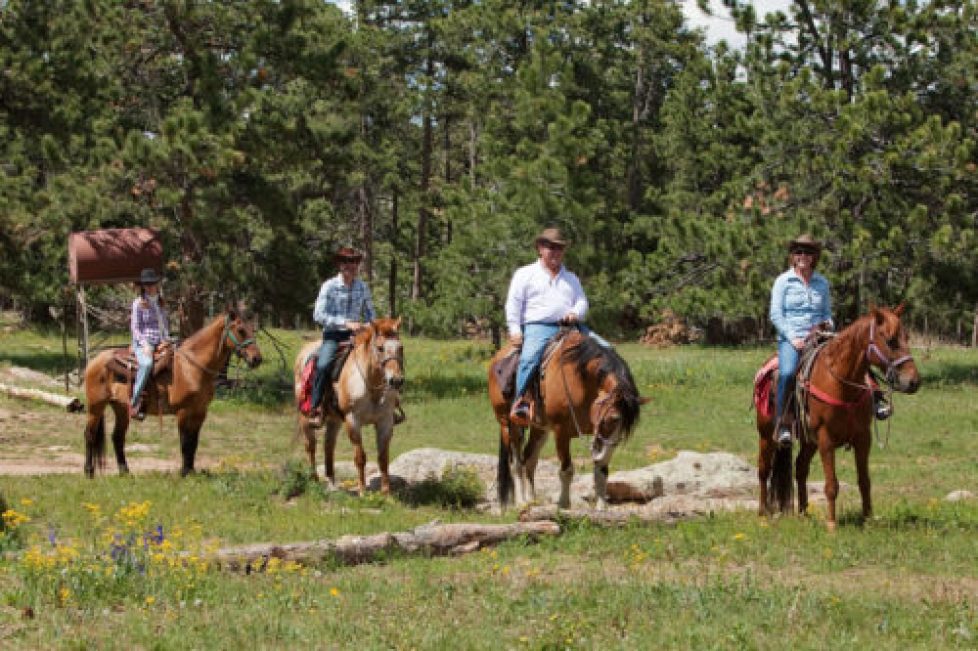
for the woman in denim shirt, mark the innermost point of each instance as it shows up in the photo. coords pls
(800, 300)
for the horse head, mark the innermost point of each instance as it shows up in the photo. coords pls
(387, 350)
(239, 334)
(888, 349)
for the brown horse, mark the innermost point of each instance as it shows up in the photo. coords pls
(839, 403)
(367, 392)
(586, 389)
(187, 393)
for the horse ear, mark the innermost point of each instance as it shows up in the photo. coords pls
(231, 309)
(397, 324)
(900, 309)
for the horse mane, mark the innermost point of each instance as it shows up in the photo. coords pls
(587, 350)
(199, 334)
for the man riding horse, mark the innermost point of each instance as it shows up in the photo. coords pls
(344, 305)
(542, 296)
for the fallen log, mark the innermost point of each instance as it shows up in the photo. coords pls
(431, 540)
(602, 518)
(70, 403)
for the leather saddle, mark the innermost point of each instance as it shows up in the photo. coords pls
(124, 366)
(505, 371)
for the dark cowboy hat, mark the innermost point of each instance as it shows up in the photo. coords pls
(805, 241)
(148, 277)
(347, 254)
(552, 235)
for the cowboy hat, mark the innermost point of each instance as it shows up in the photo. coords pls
(347, 254)
(148, 277)
(805, 241)
(551, 235)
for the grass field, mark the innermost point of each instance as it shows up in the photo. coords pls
(94, 564)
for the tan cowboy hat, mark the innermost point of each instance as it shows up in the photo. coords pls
(552, 235)
(805, 241)
(347, 254)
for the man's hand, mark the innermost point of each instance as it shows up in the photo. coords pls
(516, 340)
(353, 325)
(569, 319)
(798, 343)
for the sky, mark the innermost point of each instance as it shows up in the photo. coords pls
(720, 26)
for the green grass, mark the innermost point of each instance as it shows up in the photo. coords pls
(906, 579)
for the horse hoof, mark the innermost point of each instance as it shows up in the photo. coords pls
(123, 471)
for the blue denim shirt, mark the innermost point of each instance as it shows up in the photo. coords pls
(337, 304)
(797, 307)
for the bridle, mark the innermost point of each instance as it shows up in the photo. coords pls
(227, 334)
(889, 365)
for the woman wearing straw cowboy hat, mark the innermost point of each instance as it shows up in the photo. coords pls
(150, 328)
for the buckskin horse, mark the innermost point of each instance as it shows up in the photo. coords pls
(839, 404)
(585, 389)
(366, 394)
(185, 390)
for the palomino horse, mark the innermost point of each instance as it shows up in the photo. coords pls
(840, 411)
(197, 362)
(367, 392)
(586, 389)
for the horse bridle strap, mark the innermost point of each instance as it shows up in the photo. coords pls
(873, 349)
(227, 334)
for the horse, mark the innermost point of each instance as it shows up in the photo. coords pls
(187, 393)
(839, 401)
(586, 388)
(367, 392)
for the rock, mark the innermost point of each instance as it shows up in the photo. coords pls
(959, 496)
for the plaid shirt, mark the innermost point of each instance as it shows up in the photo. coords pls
(146, 324)
(338, 304)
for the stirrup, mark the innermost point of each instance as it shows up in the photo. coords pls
(519, 415)
(137, 411)
(784, 436)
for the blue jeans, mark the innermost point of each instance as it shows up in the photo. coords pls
(331, 341)
(145, 362)
(787, 368)
(535, 338)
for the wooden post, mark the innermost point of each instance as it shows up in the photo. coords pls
(82, 332)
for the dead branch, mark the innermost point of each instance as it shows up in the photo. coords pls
(67, 402)
(430, 540)
(603, 518)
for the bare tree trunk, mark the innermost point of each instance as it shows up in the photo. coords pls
(392, 273)
(420, 245)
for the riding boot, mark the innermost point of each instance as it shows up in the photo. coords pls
(138, 410)
(520, 413)
(883, 408)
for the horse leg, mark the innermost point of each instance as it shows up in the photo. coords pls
(531, 456)
(517, 465)
(329, 450)
(827, 452)
(861, 449)
(566, 473)
(385, 431)
(309, 440)
(803, 465)
(121, 411)
(189, 425)
(359, 456)
(765, 457)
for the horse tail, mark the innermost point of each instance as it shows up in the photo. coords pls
(95, 441)
(504, 477)
(780, 484)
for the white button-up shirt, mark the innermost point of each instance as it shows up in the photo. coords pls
(535, 296)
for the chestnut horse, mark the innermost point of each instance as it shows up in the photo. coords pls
(196, 364)
(840, 410)
(367, 392)
(586, 389)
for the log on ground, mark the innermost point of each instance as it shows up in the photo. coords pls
(429, 540)
(66, 402)
(602, 518)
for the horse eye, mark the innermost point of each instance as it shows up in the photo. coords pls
(893, 342)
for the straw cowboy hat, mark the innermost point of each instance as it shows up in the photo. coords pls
(805, 241)
(551, 235)
(347, 254)
(148, 277)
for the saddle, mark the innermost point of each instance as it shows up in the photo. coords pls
(505, 371)
(766, 379)
(124, 365)
(333, 371)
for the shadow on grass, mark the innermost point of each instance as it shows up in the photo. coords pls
(52, 363)
(444, 387)
(916, 518)
(948, 374)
